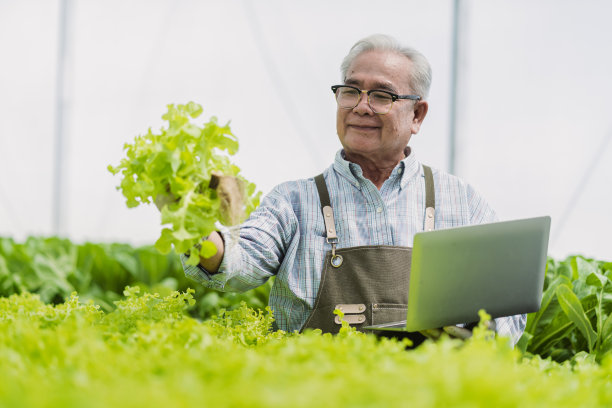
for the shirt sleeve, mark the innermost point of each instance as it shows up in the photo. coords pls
(511, 326)
(254, 250)
(480, 210)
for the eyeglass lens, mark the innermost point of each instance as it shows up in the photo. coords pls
(348, 98)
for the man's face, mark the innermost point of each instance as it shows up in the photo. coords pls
(371, 136)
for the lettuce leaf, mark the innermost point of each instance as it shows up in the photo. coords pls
(179, 162)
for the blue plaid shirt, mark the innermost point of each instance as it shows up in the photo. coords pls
(285, 235)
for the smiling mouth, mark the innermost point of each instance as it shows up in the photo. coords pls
(363, 127)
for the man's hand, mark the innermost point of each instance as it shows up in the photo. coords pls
(455, 332)
(231, 191)
(212, 264)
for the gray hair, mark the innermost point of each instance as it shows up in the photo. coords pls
(420, 77)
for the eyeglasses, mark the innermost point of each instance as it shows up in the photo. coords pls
(348, 97)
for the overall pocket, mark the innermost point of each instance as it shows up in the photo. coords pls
(388, 312)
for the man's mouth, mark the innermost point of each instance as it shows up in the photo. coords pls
(363, 127)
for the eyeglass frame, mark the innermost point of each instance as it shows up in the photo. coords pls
(394, 97)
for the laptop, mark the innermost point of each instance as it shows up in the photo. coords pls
(455, 272)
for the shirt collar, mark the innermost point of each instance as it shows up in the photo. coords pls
(406, 169)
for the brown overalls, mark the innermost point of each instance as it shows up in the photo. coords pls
(368, 283)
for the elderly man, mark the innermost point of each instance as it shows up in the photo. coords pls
(344, 237)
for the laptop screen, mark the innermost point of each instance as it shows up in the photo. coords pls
(498, 267)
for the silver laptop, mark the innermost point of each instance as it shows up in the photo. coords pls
(498, 267)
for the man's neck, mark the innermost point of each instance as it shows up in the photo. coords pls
(377, 170)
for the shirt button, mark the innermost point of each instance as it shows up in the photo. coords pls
(399, 171)
(379, 210)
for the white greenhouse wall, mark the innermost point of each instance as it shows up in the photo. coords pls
(534, 127)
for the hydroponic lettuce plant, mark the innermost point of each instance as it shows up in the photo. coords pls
(148, 353)
(180, 162)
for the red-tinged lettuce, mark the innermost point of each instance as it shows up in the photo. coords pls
(179, 162)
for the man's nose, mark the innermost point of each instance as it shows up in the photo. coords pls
(363, 106)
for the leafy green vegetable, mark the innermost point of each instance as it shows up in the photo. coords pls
(573, 309)
(149, 353)
(179, 162)
(54, 267)
(574, 318)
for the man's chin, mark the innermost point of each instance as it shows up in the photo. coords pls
(361, 144)
(359, 151)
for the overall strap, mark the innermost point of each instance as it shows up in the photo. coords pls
(322, 189)
(430, 199)
(328, 213)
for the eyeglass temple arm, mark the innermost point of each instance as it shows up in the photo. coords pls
(413, 97)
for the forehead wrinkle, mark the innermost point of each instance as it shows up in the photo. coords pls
(382, 85)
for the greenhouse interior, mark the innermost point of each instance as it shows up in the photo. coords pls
(99, 302)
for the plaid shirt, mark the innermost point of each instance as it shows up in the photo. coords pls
(285, 235)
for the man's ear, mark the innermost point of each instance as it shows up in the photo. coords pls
(420, 111)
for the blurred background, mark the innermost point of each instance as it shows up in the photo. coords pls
(520, 103)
